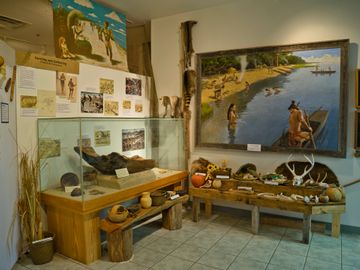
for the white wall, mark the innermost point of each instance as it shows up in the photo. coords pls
(256, 23)
(8, 172)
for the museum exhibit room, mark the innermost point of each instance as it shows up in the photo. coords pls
(134, 134)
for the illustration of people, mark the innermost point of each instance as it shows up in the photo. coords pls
(65, 53)
(247, 86)
(62, 79)
(78, 29)
(71, 86)
(108, 36)
(297, 136)
(232, 121)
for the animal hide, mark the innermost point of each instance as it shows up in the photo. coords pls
(172, 106)
(189, 82)
(188, 49)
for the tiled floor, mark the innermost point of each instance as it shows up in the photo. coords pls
(224, 242)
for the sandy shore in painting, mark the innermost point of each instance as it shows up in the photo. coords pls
(233, 83)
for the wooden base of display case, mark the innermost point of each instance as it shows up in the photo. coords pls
(76, 221)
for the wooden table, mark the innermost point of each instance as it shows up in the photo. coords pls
(76, 222)
(210, 195)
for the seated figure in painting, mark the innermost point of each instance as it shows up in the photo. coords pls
(297, 136)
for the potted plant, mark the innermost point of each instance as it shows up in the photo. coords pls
(34, 240)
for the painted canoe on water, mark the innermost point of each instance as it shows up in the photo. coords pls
(317, 122)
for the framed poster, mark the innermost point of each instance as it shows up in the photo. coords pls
(284, 98)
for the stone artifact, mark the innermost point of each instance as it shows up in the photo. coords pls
(76, 192)
(69, 179)
(107, 164)
(158, 197)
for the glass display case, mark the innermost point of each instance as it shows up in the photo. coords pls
(86, 158)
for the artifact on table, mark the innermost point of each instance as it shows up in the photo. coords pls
(133, 209)
(76, 192)
(246, 172)
(322, 173)
(145, 200)
(107, 164)
(158, 197)
(216, 183)
(334, 194)
(198, 180)
(118, 213)
(69, 179)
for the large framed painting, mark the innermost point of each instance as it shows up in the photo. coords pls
(277, 98)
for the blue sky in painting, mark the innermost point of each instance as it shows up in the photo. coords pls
(335, 52)
(98, 14)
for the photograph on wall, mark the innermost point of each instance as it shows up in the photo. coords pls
(4, 112)
(91, 102)
(138, 106)
(49, 148)
(106, 86)
(102, 137)
(46, 103)
(133, 139)
(126, 104)
(66, 86)
(111, 108)
(87, 31)
(28, 105)
(133, 86)
(284, 98)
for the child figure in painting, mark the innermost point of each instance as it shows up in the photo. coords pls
(232, 121)
(108, 36)
(65, 53)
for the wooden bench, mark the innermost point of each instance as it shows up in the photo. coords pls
(120, 235)
(210, 195)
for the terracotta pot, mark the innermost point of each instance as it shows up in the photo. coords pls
(197, 180)
(145, 200)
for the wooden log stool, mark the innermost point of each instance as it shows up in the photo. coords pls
(120, 235)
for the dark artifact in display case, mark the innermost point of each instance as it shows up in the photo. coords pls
(107, 164)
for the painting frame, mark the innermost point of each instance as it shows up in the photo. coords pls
(357, 133)
(341, 125)
(357, 89)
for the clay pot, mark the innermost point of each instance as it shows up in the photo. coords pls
(157, 198)
(216, 183)
(145, 200)
(197, 180)
(334, 194)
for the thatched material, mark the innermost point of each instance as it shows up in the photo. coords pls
(28, 201)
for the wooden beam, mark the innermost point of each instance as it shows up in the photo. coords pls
(208, 208)
(307, 228)
(255, 219)
(335, 227)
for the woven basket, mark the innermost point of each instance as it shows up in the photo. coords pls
(42, 252)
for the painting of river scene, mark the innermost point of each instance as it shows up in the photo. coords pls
(285, 98)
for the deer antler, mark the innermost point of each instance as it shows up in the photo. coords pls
(298, 179)
(287, 166)
(312, 163)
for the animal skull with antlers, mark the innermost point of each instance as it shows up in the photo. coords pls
(298, 179)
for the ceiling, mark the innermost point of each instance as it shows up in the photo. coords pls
(37, 33)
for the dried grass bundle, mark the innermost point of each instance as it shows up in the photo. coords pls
(29, 200)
